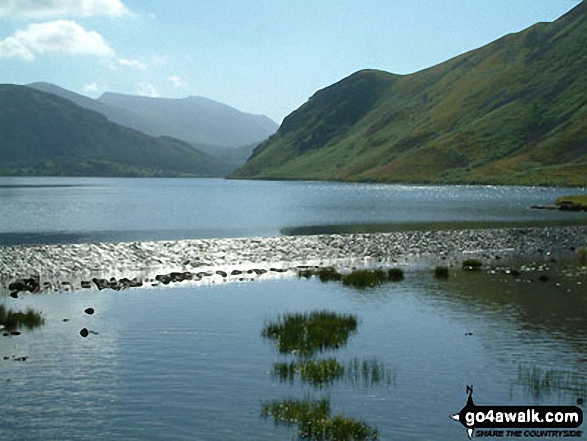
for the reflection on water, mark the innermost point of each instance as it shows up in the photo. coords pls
(189, 363)
(65, 210)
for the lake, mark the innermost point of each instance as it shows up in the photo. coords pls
(190, 362)
(76, 210)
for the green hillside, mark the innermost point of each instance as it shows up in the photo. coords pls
(511, 112)
(45, 135)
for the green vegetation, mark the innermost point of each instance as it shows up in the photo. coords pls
(365, 278)
(324, 274)
(307, 334)
(441, 272)
(511, 112)
(582, 255)
(13, 320)
(372, 278)
(577, 203)
(472, 264)
(316, 372)
(314, 421)
(372, 372)
(540, 382)
(395, 274)
(45, 135)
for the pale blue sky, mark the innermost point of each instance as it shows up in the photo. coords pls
(260, 56)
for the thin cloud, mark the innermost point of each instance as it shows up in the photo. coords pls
(44, 9)
(133, 64)
(177, 82)
(92, 88)
(147, 89)
(56, 37)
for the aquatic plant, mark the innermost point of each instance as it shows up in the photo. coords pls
(365, 278)
(441, 272)
(12, 320)
(539, 382)
(318, 373)
(582, 255)
(314, 421)
(370, 371)
(395, 274)
(472, 264)
(309, 333)
(325, 274)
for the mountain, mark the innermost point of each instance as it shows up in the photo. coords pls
(195, 120)
(213, 128)
(511, 112)
(43, 134)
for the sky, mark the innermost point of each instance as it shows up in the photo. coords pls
(260, 56)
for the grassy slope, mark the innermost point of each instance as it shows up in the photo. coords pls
(512, 112)
(42, 134)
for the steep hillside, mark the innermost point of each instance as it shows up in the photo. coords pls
(195, 120)
(511, 112)
(43, 134)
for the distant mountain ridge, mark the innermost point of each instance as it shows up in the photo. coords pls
(43, 134)
(196, 120)
(511, 112)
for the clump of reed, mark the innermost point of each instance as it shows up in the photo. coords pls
(371, 371)
(325, 274)
(582, 256)
(12, 320)
(372, 278)
(315, 422)
(472, 264)
(305, 334)
(539, 381)
(441, 272)
(318, 373)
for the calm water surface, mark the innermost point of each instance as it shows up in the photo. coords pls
(74, 210)
(190, 362)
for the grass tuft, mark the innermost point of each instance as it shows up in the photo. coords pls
(12, 320)
(441, 272)
(309, 333)
(472, 264)
(314, 421)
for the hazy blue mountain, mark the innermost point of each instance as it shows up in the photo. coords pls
(195, 120)
(44, 134)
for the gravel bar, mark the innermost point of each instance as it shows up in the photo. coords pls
(406, 249)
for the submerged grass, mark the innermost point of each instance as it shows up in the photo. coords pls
(318, 373)
(314, 421)
(309, 333)
(12, 320)
(540, 382)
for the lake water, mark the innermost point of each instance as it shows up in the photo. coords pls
(189, 362)
(75, 210)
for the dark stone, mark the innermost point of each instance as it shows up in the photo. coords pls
(16, 286)
(65, 320)
(86, 284)
(89, 311)
(221, 273)
(14, 333)
(235, 272)
(14, 295)
(84, 333)
(543, 278)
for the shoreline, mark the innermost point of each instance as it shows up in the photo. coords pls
(64, 267)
